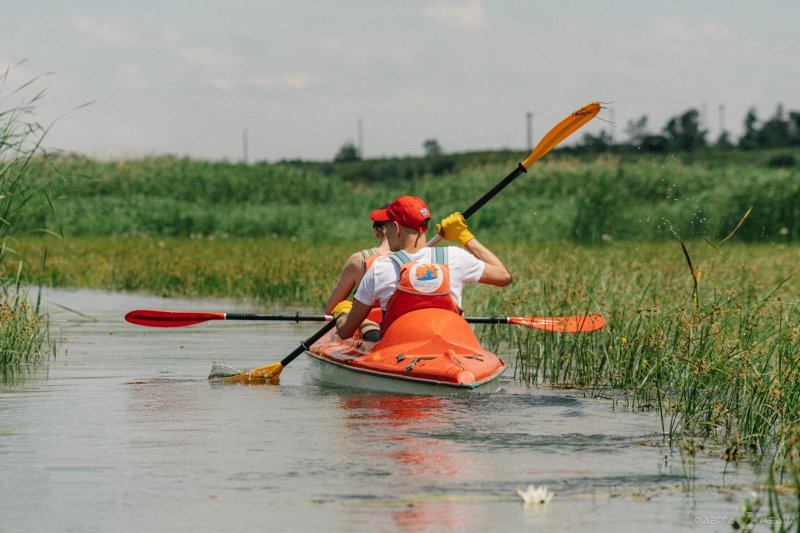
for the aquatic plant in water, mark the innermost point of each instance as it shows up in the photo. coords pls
(23, 329)
(535, 495)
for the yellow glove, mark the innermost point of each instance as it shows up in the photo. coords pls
(454, 228)
(342, 308)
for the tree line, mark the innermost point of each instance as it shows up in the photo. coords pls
(682, 133)
(685, 133)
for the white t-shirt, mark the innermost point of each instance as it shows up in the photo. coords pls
(381, 280)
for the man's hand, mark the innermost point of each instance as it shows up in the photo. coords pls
(454, 228)
(342, 308)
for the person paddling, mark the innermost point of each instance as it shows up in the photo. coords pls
(416, 276)
(354, 269)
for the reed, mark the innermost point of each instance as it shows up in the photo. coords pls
(25, 336)
(583, 200)
(24, 201)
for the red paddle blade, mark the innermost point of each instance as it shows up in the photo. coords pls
(561, 324)
(169, 319)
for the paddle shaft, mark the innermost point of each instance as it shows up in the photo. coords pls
(169, 319)
(483, 200)
(480, 202)
(306, 344)
(278, 318)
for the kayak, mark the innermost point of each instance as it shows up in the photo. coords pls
(424, 351)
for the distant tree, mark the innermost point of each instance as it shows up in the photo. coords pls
(655, 144)
(749, 139)
(432, 148)
(636, 130)
(775, 131)
(724, 140)
(597, 143)
(442, 165)
(348, 152)
(794, 128)
(684, 131)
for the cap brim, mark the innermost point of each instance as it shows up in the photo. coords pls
(379, 215)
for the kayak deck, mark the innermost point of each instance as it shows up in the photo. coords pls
(425, 349)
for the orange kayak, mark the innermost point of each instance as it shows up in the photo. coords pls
(427, 350)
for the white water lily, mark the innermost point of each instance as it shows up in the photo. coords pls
(535, 495)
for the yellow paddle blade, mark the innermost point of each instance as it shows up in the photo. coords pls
(561, 131)
(262, 374)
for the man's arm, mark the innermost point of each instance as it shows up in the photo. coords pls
(495, 272)
(351, 271)
(347, 323)
(454, 228)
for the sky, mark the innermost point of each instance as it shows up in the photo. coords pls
(300, 78)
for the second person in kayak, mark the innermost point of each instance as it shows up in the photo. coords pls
(416, 276)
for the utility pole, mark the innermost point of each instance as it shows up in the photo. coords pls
(361, 138)
(721, 119)
(611, 124)
(704, 116)
(529, 116)
(244, 147)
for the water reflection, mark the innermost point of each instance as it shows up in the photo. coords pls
(393, 429)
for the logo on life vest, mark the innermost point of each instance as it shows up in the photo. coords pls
(426, 278)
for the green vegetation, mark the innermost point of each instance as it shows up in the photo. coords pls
(23, 201)
(23, 330)
(564, 197)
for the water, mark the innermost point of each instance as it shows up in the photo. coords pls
(124, 432)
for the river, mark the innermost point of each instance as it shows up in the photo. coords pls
(123, 432)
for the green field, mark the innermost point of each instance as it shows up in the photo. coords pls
(561, 198)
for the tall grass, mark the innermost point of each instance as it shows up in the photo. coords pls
(561, 198)
(23, 198)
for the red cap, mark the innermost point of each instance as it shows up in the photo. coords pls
(410, 212)
(379, 215)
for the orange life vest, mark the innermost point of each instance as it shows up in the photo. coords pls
(369, 256)
(421, 285)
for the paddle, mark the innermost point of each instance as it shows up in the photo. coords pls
(171, 319)
(558, 133)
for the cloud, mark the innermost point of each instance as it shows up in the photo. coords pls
(294, 81)
(206, 57)
(469, 15)
(132, 76)
(114, 34)
(223, 84)
(290, 81)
